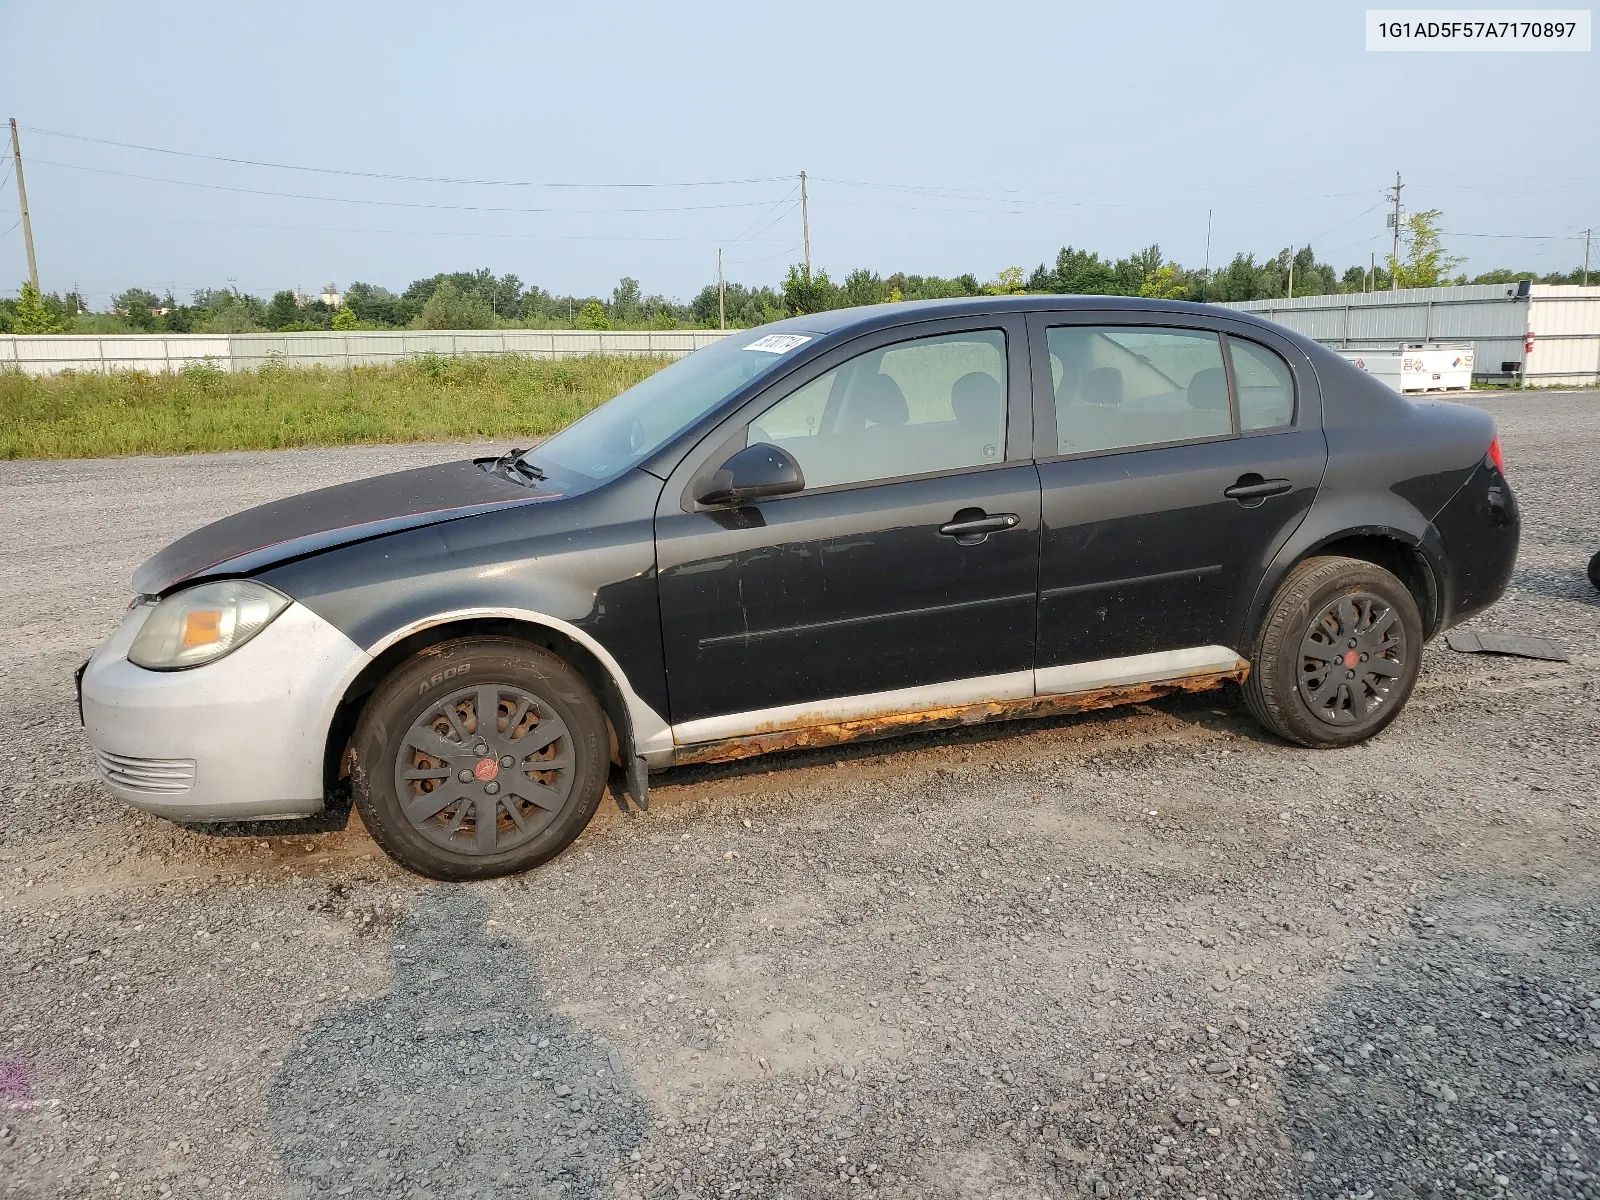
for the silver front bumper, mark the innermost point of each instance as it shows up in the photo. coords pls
(242, 738)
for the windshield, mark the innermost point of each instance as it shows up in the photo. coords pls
(626, 430)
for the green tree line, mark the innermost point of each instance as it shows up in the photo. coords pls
(482, 300)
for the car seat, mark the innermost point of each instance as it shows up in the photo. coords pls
(1095, 422)
(979, 404)
(1102, 387)
(1208, 390)
(1208, 414)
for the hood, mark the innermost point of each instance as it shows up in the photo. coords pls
(332, 516)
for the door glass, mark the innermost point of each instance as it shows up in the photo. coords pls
(1266, 388)
(1122, 386)
(934, 404)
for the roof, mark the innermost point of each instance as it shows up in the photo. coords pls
(880, 316)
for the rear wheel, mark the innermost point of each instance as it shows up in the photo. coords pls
(1338, 654)
(479, 757)
(1594, 570)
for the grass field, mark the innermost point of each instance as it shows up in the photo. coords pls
(204, 409)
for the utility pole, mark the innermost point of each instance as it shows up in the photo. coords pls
(1208, 241)
(1587, 233)
(1291, 277)
(722, 307)
(22, 201)
(805, 217)
(1394, 223)
(1372, 271)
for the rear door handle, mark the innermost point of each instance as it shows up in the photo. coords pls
(1252, 490)
(969, 528)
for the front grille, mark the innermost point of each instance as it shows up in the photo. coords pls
(163, 775)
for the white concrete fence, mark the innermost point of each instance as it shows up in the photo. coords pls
(52, 354)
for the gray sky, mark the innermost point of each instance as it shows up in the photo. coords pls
(939, 138)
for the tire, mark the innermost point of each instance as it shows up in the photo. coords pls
(1594, 570)
(1335, 617)
(418, 737)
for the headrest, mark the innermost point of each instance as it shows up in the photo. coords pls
(1103, 385)
(1067, 389)
(883, 403)
(977, 399)
(1209, 390)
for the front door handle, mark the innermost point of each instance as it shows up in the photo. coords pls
(973, 525)
(1252, 490)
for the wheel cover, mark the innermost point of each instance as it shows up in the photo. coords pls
(477, 784)
(1352, 658)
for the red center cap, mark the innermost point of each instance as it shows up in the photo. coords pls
(1351, 658)
(486, 769)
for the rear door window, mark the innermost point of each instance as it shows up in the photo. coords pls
(1120, 387)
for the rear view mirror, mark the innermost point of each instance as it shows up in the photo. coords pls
(757, 472)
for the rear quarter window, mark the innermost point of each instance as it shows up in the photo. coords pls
(1266, 387)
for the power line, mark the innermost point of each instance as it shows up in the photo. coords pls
(751, 234)
(220, 187)
(736, 262)
(564, 237)
(748, 228)
(957, 193)
(919, 188)
(1097, 206)
(1475, 175)
(1351, 221)
(1359, 242)
(250, 162)
(925, 189)
(1524, 237)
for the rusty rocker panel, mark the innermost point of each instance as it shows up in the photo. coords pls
(1055, 691)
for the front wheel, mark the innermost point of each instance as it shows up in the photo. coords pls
(1594, 570)
(1337, 655)
(479, 757)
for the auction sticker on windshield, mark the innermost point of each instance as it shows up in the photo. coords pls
(779, 343)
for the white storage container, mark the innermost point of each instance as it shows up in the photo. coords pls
(1436, 368)
(1380, 364)
(1418, 368)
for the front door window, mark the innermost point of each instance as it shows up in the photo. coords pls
(915, 408)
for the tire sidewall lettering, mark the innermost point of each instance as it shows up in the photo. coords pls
(444, 676)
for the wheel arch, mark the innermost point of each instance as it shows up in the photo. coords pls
(635, 727)
(1414, 560)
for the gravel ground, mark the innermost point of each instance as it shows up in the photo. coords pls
(1142, 953)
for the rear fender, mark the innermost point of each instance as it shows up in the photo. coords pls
(1385, 522)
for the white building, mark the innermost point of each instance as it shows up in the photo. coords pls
(1541, 334)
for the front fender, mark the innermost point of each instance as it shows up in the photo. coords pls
(584, 565)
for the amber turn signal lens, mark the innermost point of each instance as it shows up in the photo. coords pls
(202, 623)
(202, 628)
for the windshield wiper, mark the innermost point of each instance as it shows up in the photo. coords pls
(514, 465)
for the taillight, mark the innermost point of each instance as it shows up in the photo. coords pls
(1495, 456)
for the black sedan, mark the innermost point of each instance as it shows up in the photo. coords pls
(840, 526)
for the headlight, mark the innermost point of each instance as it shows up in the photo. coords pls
(201, 624)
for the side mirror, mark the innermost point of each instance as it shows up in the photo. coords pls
(757, 472)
